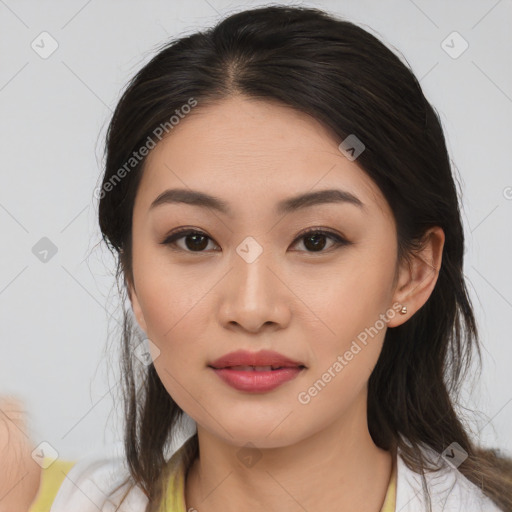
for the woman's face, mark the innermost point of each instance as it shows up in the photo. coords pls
(251, 280)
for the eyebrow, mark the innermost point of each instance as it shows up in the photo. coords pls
(201, 199)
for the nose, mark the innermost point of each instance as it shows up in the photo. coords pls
(254, 296)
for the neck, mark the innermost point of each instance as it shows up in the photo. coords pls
(337, 468)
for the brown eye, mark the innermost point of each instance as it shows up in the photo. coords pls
(195, 241)
(314, 240)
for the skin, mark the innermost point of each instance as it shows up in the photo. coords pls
(308, 305)
(20, 476)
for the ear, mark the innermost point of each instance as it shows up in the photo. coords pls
(137, 310)
(417, 276)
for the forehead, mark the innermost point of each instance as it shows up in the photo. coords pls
(255, 149)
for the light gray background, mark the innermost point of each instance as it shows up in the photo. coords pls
(54, 113)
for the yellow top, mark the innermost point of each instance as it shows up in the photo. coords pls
(52, 477)
(51, 480)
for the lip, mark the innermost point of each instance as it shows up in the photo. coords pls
(256, 381)
(261, 358)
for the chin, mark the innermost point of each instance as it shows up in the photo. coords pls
(260, 434)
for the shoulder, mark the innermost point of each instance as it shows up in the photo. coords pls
(449, 489)
(94, 484)
(99, 483)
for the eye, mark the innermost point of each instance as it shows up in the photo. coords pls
(197, 241)
(315, 239)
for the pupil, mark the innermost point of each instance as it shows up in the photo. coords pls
(316, 245)
(196, 246)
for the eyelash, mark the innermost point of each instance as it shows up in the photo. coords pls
(184, 232)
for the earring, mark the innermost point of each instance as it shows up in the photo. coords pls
(404, 310)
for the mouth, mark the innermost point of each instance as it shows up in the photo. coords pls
(256, 372)
(246, 368)
(257, 379)
(264, 360)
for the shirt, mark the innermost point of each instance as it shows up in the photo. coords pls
(87, 488)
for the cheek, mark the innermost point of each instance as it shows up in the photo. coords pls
(168, 294)
(176, 322)
(175, 312)
(350, 331)
(349, 297)
(352, 312)
(176, 319)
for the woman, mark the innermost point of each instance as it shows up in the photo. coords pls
(279, 195)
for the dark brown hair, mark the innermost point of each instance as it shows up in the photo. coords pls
(351, 82)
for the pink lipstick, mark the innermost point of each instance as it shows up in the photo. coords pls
(256, 371)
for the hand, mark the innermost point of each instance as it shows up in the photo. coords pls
(20, 475)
